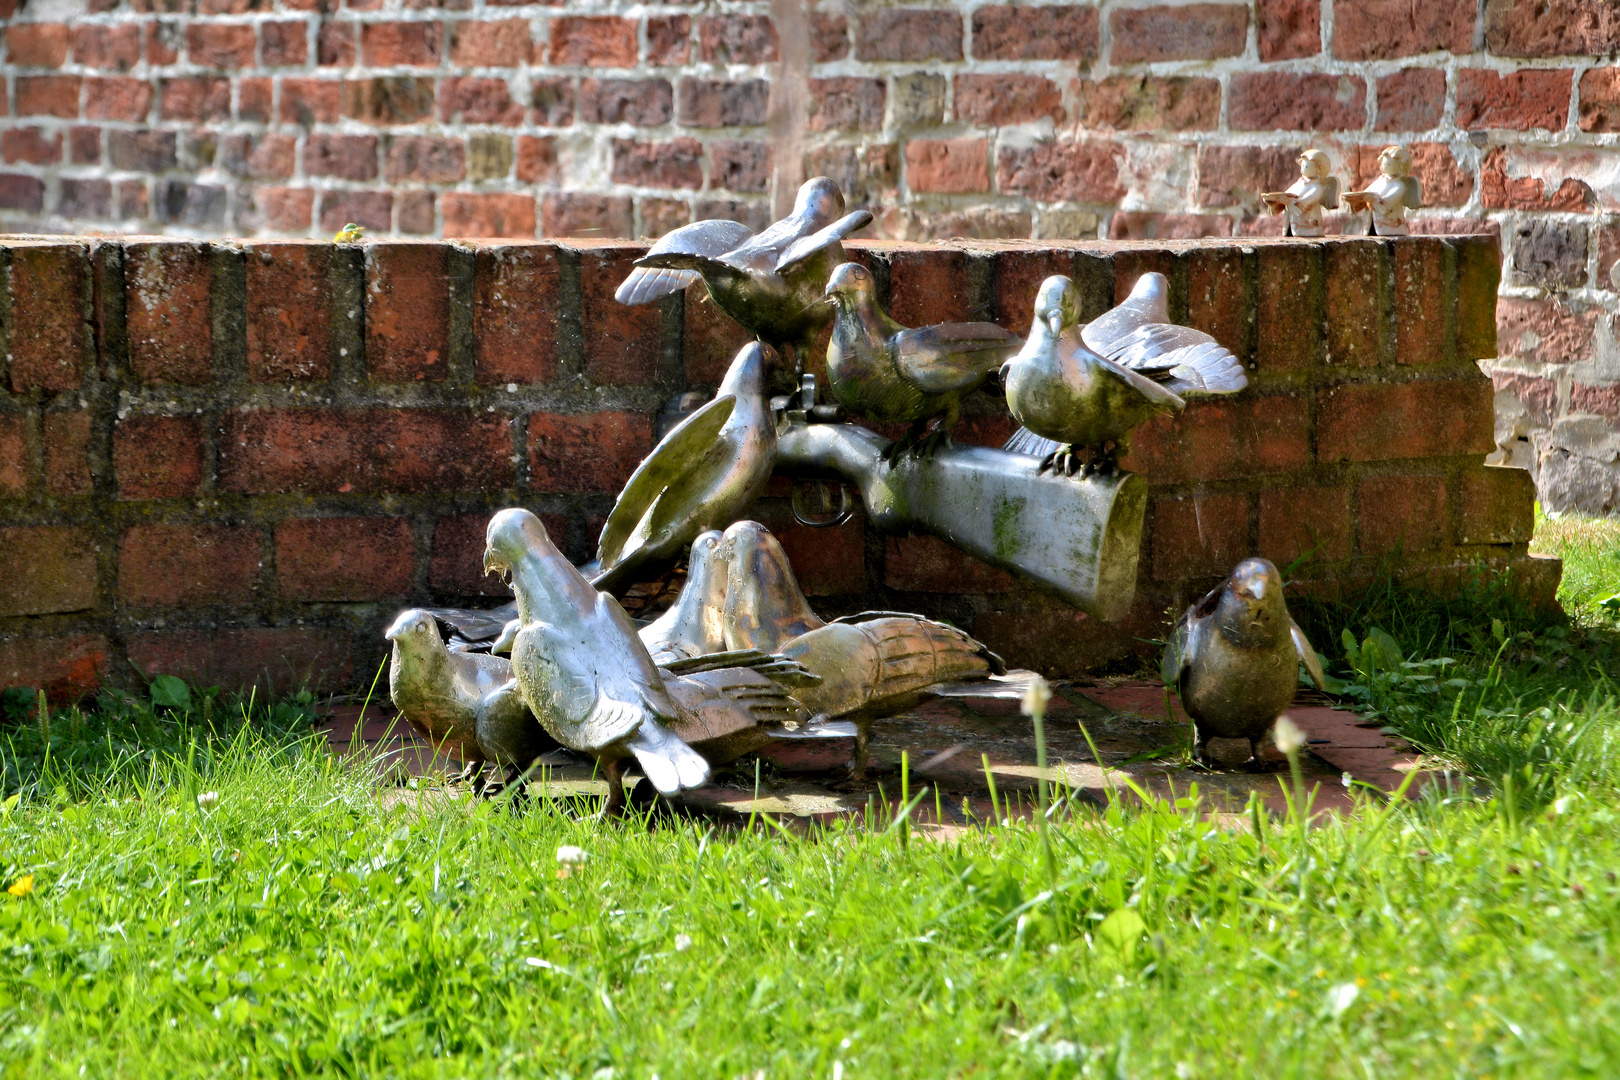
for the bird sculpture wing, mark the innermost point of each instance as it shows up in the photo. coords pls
(1149, 302)
(709, 239)
(1025, 441)
(1183, 360)
(1177, 654)
(952, 356)
(835, 233)
(674, 460)
(1307, 655)
(1412, 192)
(775, 666)
(1330, 193)
(472, 626)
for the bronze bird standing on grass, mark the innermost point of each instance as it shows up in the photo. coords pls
(1234, 658)
(768, 283)
(1075, 389)
(884, 371)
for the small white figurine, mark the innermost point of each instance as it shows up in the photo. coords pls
(1390, 196)
(1316, 190)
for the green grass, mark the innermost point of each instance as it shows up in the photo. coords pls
(307, 922)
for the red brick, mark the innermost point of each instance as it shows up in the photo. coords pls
(50, 293)
(46, 569)
(952, 166)
(1405, 512)
(1061, 171)
(1055, 32)
(309, 101)
(1270, 100)
(67, 667)
(642, 102)
(826, 562)
(846, 104)
(334, 45)
(736, 165)
(390, 99)
(595, 41)
(536, 158)
(578, 213)
(736, 39)
(1385, 29)
(1539, 396)
(273, 662)
(188, 565)
(926, 564)
(30, 146)
(1229, 175)
(1289, 29)
(515, 314)
(1445, 183)
(37, 44)
(1420, 315)
(1188, 32)
(254, 99)
(622, 344)
(220, 45)
(710, 340)
(457, 564)
(1543, 331)
(552, 101)
(1223, 439)
(928, 285)
(1412, 99)
(1148, 225)
(677, 163)
(1018, 275)
(286, 44)
(1518, 101)
(495, 214)
(67, 461)
(364, 451)
(909, 34)
(426, 158)
(1601, 400)
(201, 98)
(829, 37)
(1384, 422)
(289, 311)
(13, 454)
(110, 48)
(48, 95)
(348, 157)
(283, 209)
(1551, 27)
(1009, 99)
(1288, 328)
(167, 287)
(1355, 328)
(711, 103)
(416, 213)
(157, 457)
(1216, 301)
(150, 151)
(1600, 100)
(1144, 102)
(335, 559)
(132, 199)
(85, 199)
(84, 145)
(260, 157)
(501, 43)
(669, 39)
(1297, 521)
(1479, 272)
(407, 312)
(1199, 535)
(163, 41)
(1496, 506)
(1059, 641)
(1499, 191)
(596, 452)
(400, 44)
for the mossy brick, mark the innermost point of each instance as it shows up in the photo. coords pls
(1223, 439)
(188, 565)
(407, 312)
(68, 667)
(1196, 536)
(1299, 521)
(289, 311)
(826, 562)
(352, 558)
(928, 286)
(1131, 263)
(46, 569)
(1420, 293)
(364, 451)
(1390, 421)
(273, 661)
(516, 292)
(167, 287)
(1217, 296)
(1355, 325)
(1479, 274)
(1289, 316)
(1018, 276)
(51, 341)
(596, 452)
(1405, 512)
(1496, 506)
(926, 564)
(1055, 640)
(13, 453)
(158, 457)
(622, 343)
(710, 339)
(456, 566)
(67, 453)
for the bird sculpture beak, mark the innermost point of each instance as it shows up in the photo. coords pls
(491, 565)
(1253, 589)
(1055, 321)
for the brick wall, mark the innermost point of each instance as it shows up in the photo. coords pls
(1114, 118)
(226, 460)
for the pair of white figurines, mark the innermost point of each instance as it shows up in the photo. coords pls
(1386, 199)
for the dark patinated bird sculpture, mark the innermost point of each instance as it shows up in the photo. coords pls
(1085, 388)
(884, 371)
(768, 283)
(692, 625)
(1234, 658)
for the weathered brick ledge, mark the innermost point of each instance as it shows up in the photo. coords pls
(232, 459)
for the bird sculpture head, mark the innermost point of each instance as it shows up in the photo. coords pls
(764, 605)
(820, 198)
(1251, 610)
(749, 369)
(1313, 164)
(415, 636)
(850, 281)
(1057, 304)
(1395, 161)
(511, 535)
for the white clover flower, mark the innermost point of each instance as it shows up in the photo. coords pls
(1035, 697)
(683, 942)
(207, 799)
(568, 854)
(1287, 736)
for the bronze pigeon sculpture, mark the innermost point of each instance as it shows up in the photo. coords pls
(768, 283)
(883, 371)
(1074, 388)
(1234, 658)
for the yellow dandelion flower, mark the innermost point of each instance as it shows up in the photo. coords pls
(22, 886)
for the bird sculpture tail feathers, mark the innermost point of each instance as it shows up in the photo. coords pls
(1181, 359)
(998, 666)
(654, 281)
(805, 247)
(777, 667)
(646, 284)
(669, 763)
(1025, 441)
